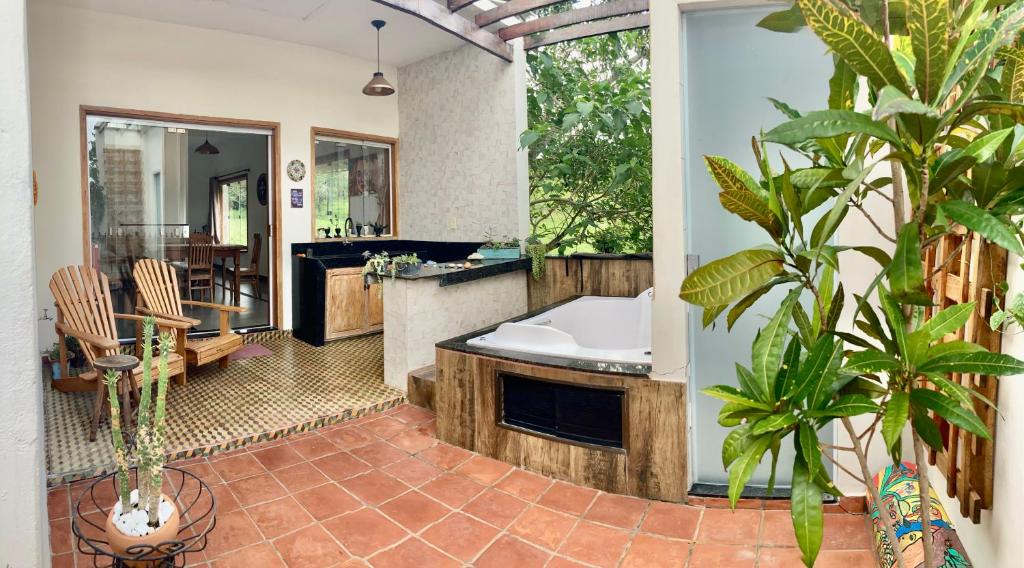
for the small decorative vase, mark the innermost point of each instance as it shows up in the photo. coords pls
(337, 232)
(121, 543)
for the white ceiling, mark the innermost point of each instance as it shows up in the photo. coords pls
(338, 25)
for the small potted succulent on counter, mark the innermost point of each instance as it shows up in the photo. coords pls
(144, 515)
(503, 248)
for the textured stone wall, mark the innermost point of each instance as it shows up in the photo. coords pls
(458, 141)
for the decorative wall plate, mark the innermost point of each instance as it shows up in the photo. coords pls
(261, 189)
(296, 170)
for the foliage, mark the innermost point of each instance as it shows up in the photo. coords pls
(590, 142)
(503, 242)
(1013, 313)
(945, 101)
(383, 264)
(537, 251)
(150, 434)
(97, 192)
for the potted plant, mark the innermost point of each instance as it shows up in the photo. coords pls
(144, 515)
(382, 264)
(503, 248)
(946, 131)
(379, 228)
(537, 251)
(53, 358)
(327, 232)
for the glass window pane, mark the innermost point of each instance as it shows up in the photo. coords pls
(353, 187)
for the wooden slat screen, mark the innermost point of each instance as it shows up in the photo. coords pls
(977, 266)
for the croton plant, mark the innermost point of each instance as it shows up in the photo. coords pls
(924, 114)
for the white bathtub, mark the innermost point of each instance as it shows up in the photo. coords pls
(593, 328)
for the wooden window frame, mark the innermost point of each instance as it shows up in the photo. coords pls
(274, 174)
(316, 131)
(228, 180)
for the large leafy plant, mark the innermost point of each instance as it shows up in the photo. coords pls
(938, 141)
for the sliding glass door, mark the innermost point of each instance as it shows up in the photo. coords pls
(154, 185)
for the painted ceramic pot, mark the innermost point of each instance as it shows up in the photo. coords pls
(121, 543)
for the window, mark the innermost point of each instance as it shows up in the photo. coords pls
(235, 192)
(353, 185)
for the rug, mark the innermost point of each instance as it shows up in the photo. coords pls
(250, 351)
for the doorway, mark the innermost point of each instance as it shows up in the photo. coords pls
(730, 67)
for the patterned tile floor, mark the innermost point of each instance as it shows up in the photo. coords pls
(381, 491)
(297, 387)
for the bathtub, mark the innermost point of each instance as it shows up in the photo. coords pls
(591, 328)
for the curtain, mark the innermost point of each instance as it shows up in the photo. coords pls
(216, 210)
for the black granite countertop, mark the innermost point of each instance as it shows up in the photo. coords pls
(480, 269)
(460, 344)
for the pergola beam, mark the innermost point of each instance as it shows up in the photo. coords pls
(511, 8)
(562, 19)
(439, 16)
(456, 5)
(588, 29)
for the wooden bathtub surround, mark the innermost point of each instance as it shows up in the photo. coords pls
(652, 463)
(568, 276)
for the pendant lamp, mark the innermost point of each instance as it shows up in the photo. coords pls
(206, 148)
(378, 85)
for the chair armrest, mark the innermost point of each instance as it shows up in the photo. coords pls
(162, 322)
(90, 338)
(146, 311)
(221, 307)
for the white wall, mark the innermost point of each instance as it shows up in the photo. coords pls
(83, 57)
(23, 527)
(458, 169)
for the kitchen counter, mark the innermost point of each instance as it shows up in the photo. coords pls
(480, 269)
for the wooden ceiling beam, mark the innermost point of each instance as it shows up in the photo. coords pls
(588, 29)
(511, 8)
(439, 16)
(456, 5)
(580, 15)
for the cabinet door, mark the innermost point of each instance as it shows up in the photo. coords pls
(346, 304)
(375, 297)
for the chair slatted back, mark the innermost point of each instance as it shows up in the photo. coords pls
(200, 250)
(83, 301)
(254, 256)
(157, 284)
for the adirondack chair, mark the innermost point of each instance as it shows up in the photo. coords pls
(85, 312)
(158, 295)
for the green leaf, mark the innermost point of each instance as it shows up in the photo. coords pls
(744, 304)
(980, 362)
(983, 223)
(829, 123)
(848, 405)
(842, 87)
(733, 414)
(950, 410)
(1014, 111)
(956, 392)
(894, 318)
(773, 423)
(528, 137)
(870, 361)
(731, 177)
(973, 64)
(790, 368)
(808, 440)
(711, 313)
(730, 394)
(736, 442)
(750, 207)
(897, 411)
(1013, 73)
(948, 320)
(767, 350)
(727, 279)
(816, 372)
(984, 147)
(927, 430)
(853, 41)
(783, 21)
(747, 383)
(803, 326)
(892, 101)
(743, 467)
(807, 512)
(928, 26)
(955, 346)
(906, 275)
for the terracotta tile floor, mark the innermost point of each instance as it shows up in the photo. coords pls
(381, 491)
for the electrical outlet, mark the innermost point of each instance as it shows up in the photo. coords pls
(452, 222)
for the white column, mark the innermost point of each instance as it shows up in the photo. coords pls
(522, 155)
(23, 526)
(668, 316)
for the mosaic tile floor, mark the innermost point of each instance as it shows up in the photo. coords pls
(296, 388)
(381, 491)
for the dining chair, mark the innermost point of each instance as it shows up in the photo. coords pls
(200, 264)
(251, 272)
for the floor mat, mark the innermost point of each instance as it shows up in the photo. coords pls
(250, 351)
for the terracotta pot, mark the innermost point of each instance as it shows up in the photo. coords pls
(120, 542)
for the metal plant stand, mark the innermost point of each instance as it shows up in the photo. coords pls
(193, 498)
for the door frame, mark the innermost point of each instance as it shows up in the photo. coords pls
(274, 226)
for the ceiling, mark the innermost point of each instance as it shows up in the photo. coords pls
(342, 26)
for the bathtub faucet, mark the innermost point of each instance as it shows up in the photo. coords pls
(543, 322)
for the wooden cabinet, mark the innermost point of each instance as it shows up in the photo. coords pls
(351, 309)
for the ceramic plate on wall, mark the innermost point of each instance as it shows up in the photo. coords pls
(296, 170)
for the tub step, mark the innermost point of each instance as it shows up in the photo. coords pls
(421, 387)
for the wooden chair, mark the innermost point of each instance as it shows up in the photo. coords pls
(199, 274)
(252, 272)
(157, 284)
(85, 312)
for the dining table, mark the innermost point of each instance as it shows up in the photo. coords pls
(222, 251)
